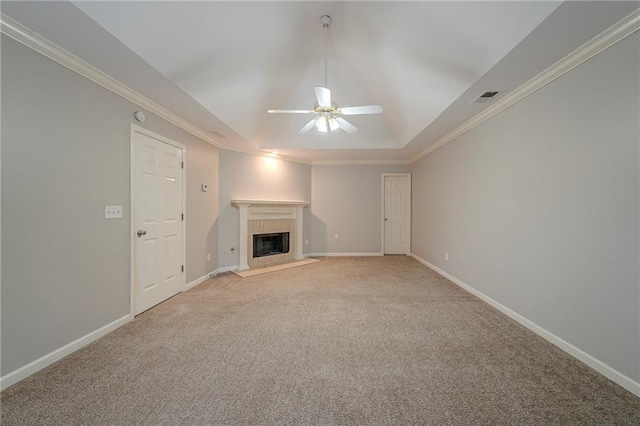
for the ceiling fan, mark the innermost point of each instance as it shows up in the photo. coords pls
(329, 115)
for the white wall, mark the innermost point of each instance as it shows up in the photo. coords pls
(65, 154)
(245, 176)
(538, 208)
(347, 200)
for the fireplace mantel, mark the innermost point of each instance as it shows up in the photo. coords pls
(264, 203)
(267, 210)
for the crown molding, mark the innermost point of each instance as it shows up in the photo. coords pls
(607, 38)
(267, 154)
(36, 42)
(31, 39)
(358, 162)
(47, 48)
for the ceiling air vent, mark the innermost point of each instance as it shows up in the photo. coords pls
(484, 97)
(217, 134)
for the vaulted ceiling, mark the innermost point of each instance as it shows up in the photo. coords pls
(229, 62)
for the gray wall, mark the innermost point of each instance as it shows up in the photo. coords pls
(344, 200)
(202, 207)
(538, 207)
(65, 154)
(245, 176)
(347, 200)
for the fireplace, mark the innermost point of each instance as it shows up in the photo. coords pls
(269, 218)
(270, 244)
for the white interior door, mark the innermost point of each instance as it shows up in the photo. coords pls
(397, 217)
(158, 266)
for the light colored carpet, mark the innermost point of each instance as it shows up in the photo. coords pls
(341, 341)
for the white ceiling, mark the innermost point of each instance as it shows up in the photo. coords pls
(422, 61)
(239, 59)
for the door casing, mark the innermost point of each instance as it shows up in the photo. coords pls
(141, 130)
(408, 206)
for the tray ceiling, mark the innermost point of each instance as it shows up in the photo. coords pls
(222, 65)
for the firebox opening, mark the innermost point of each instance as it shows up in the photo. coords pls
(270, 244)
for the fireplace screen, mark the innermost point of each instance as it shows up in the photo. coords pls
(270, 244)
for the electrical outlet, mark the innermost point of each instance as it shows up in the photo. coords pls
(112, 212)
(446, 256)
(336, 236)
(306, 242)
(208, 257)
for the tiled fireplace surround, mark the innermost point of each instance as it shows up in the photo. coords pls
(269, 216)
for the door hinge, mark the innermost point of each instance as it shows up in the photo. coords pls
(182, 216)
(183, 164)
(182, 269)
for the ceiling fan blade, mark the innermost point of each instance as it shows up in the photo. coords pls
(366, 109)
(322, 124)
(307, 127)
(346, 126)
(324, 96)
(290, 111)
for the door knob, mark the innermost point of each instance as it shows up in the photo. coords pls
(385, 219)
(141, 233)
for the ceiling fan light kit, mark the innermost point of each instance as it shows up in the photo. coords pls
(328, 115)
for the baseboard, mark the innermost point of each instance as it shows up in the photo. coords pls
(346, 254)
(37, 365)
(602, 368)
(225, 269)
(200, 280)
(211, 274)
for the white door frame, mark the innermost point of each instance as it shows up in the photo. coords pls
(141, 130)
(408, 201)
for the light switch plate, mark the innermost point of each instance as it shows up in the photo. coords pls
(112, 212)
